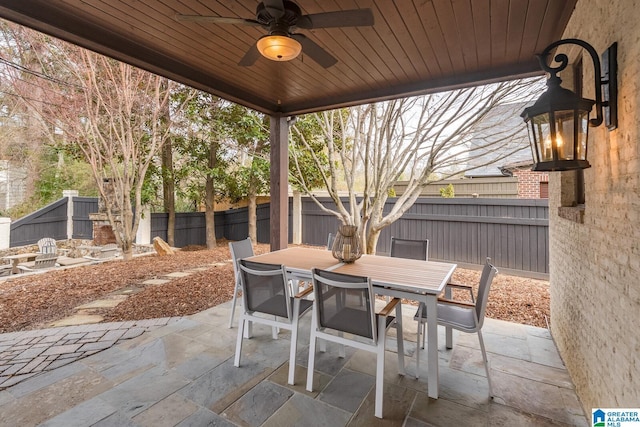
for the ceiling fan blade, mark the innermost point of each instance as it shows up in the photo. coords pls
(217, 20)
(315, 52)
(342, 18)
(250, 57)
(274, 7)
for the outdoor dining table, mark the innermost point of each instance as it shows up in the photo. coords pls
(411, 279)
(16, 259)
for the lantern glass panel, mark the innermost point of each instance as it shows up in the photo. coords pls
(583, 131)
(542, 134)
(564, 134)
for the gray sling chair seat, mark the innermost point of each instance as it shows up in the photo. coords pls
(344, 304)
(265, 291)
(464, 316)
(239, 250)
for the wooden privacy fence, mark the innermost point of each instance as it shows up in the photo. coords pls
(50, 221)
(53, 221)
(513, 232)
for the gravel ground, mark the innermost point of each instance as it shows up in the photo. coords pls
(34, 301)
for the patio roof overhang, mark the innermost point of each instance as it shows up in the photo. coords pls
(414, 47)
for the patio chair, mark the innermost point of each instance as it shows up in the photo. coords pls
(239, 250)
(344, 304)
(464, 316)
(43, 261)
(47, 245)
(5, 270)
(265, 291)
(330, 239)
(407, 248)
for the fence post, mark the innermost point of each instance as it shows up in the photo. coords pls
(297, 218)
(143, 235)
(5, 232)
(70, 194)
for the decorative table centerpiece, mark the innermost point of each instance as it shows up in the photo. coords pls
(346, 246)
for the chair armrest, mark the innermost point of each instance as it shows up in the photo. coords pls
(459, 285)
(462, 286)
(389, 307)
(458, 303)
(303, 293)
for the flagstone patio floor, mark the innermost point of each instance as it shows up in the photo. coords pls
(182, 374)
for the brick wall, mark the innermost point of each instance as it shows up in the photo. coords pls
(595, 265)
(103, 234)
(529, 183)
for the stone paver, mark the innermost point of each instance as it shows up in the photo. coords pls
(25, 356)
(102, 303)
(155, 282)
(177, 274)
(78, 319)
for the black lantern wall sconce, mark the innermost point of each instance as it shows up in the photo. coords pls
(558, 122)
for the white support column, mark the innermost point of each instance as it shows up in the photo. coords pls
(143, 235)
(70, 194)
(5, 232)
(297, 218)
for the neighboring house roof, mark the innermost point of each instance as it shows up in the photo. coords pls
(510, 167)
(501, 138)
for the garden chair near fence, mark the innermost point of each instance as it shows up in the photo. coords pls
(408, 248)
(412, 249)
(42, 262)
(47, 245)
(6, 270)
(330, 239)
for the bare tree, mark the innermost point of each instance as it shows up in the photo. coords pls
(116, 122)
(419, 139)
(114, 115)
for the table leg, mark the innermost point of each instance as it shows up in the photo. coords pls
(418, 343)
(447, 329)
(432, 346)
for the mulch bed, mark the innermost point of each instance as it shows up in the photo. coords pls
(34, 301)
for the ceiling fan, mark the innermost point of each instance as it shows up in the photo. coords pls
(280, 18)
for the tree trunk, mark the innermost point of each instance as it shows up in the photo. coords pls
(209, 213)
(253, 228)
(168, 182)
(168, 190)
(372, 241)
(127, 251)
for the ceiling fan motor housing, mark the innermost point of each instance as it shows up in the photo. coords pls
(288, 19)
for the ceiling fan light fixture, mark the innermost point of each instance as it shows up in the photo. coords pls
(279, 48)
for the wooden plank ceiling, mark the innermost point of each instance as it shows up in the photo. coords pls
(415, 46)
